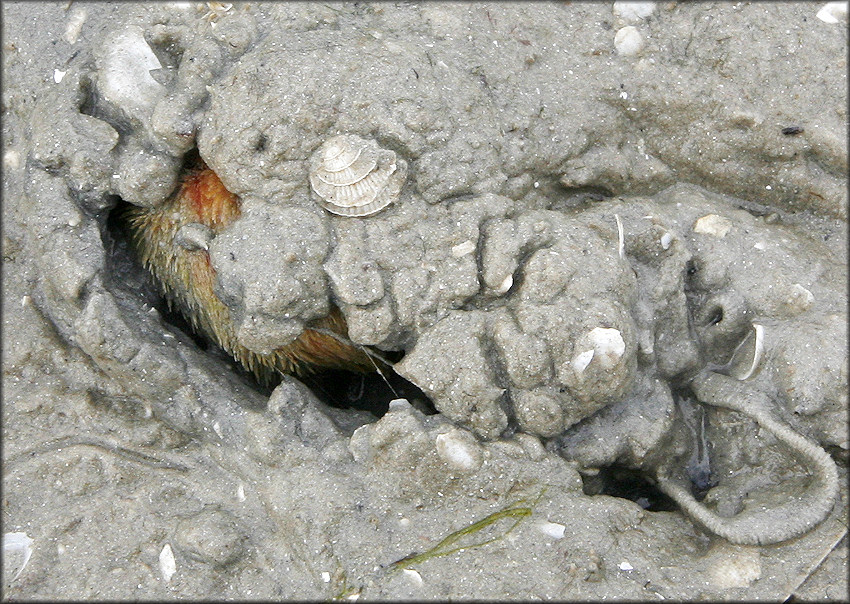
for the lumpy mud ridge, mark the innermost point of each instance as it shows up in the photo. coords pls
(445, 300)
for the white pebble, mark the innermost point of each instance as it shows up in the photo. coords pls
(633, 11)
(326, 576)
(462, 249)
(712, 224)
(398, 404)
(666, 239)
(624, 565)
(58, 75)
(414, 576)
(552, 529)
(11, 160)
(833, 12)
(167, 564)
(628, 41)
(505, 285)
(240, 492)
(459, 450)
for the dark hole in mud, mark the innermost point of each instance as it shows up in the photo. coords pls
(367, 391)
(715, 315)
(626, 483)
(568, 198)
(341, 389)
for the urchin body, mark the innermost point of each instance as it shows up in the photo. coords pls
(186, 277)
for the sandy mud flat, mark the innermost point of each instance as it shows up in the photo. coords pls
(598, 249)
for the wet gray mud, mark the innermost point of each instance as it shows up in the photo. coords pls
(603, 246)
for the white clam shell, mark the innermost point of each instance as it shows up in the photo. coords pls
(352, 176)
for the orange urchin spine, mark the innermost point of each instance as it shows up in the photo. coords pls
(187, 278)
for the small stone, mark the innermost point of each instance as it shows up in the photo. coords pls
(628, 41)
(799, 299)
(714, 225)
(730, 566)
(212, 536)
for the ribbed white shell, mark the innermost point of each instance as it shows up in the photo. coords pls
(354, 177)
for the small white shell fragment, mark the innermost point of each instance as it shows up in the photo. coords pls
(833, 12)
(505, 285)
(413, 576)
(240, 492)
(17, 549)
(124, 77)
(353, 597)
(712, 224)
(217, 428)
(621, 238)
(462, 249)
(352, 176)
(58, 75)
(167, 564)
(75, 25)
(459, 450)
(326, 576)
(627, 41)
(555, 530)
(633, 11)
(666, 239)
(624, 565)
(748, 355)
(582, 360)
(760, 246)
(75, 219)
